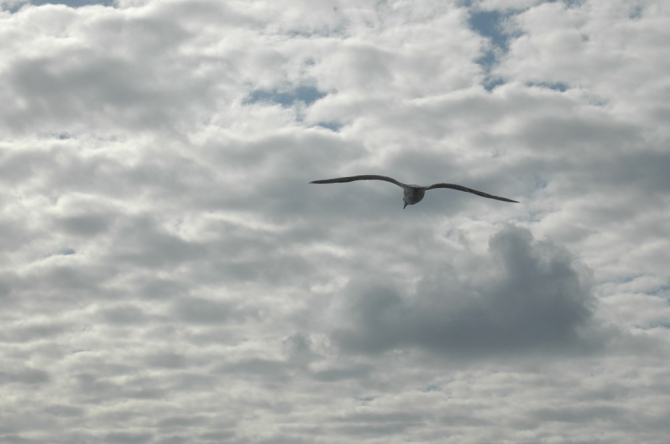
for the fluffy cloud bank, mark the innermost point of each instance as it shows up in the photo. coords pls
(168, 275)
(526, 296)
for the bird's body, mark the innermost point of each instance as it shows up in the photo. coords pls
(413, 194)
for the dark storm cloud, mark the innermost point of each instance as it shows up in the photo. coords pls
(534, 297)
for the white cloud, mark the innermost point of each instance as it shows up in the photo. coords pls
(167, 274)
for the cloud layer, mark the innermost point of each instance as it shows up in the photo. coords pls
(530, 296)
(168, 275)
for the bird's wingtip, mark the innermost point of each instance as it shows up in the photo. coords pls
(504, 199)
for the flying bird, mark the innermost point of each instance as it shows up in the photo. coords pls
(413, 194)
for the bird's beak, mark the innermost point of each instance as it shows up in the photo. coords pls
(405, 205)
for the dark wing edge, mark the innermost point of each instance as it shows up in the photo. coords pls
(469, 190)
(354, 178)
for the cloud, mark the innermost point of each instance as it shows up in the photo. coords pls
(537, 299)
(73, 3)
(168, 274)
(25, 376)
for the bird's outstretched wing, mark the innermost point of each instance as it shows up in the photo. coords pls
(469, 190)
(366, 177)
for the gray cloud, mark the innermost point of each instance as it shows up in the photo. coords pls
(536, 299)
(378, 424)
(34, 332)
(25, 376)
(203, 311)
(124, 315)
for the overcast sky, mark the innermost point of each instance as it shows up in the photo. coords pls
(168, 275)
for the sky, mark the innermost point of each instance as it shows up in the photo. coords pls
(168, 274)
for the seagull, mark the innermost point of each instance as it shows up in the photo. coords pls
(413, 194)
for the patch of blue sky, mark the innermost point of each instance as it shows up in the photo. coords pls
(653, 325)
(540, 183)
(487, 60)
(535, 215)
(570, 3)
(663, 291)
(573, 2)
(489, 24)
(491, 82)
(556, 86)
(635, 12)
(67, 252)
(323, 31)
(13, 7)
(305, 94)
